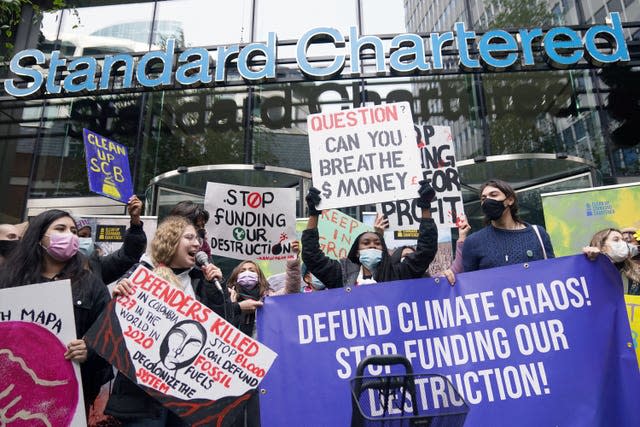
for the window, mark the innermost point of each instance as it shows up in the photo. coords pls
(614, 6)
(599, 16)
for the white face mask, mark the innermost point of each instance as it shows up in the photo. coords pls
(618, 251)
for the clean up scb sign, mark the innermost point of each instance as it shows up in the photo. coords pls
(107, 167)
(364, 155)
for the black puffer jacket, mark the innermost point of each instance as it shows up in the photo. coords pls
(344, 272)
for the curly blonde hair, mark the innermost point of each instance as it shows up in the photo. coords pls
(164, 246)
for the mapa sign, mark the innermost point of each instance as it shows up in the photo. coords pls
(408, 54)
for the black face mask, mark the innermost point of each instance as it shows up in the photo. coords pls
(493, 209)
(7, 246)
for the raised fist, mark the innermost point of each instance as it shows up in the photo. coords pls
(426, 194)
(313, 199)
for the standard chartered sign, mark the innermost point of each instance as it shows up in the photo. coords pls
(408, 54)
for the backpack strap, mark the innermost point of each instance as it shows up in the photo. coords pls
(544, 251)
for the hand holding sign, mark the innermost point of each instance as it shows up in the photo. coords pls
(123, 287)
(107, 167)
(426, 194)
(313, 199)
(134, 208)
(76, 351)
(250, 305)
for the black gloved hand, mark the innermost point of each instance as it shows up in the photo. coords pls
(313, 199)
(426, 194)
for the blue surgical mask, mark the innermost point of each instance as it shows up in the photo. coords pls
(370, 258)
(86, 245)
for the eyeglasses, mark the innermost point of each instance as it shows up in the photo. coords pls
(191, 237)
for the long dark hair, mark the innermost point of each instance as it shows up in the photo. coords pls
(190, 210)
(384, 272)
(263, 283)
(24, 265)
(508, 192)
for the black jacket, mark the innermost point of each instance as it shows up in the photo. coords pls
(344, 272)
(113, 266)
(127, 400)
(90, 296)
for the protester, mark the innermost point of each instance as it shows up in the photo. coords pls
(368, 260)
(506, 239)
(9, 237)
(173, 257)
(198, 216)
(297, 277)
(293, 276)
(84, 232)
(310, 282)
(111, 267)
(611, 243)
(247, 282)
(631, 236)
(400, 253)
(456, 266)
(49, 251)
(628, 234)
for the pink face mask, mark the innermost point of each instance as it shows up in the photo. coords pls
(63, 246)
(247, 279)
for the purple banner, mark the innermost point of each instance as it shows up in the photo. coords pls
(107, 167)
(545, 343)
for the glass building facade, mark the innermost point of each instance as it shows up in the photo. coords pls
(542, 130)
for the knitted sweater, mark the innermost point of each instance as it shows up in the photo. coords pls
(494, 247)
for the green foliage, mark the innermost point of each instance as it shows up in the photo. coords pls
(11, 17)
(524, 104)
(520, 13)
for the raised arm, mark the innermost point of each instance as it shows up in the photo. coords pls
(293, 278)
(416, 264)
(324, 268)
(116, 264)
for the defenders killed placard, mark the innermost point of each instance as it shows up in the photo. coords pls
(178, 350)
